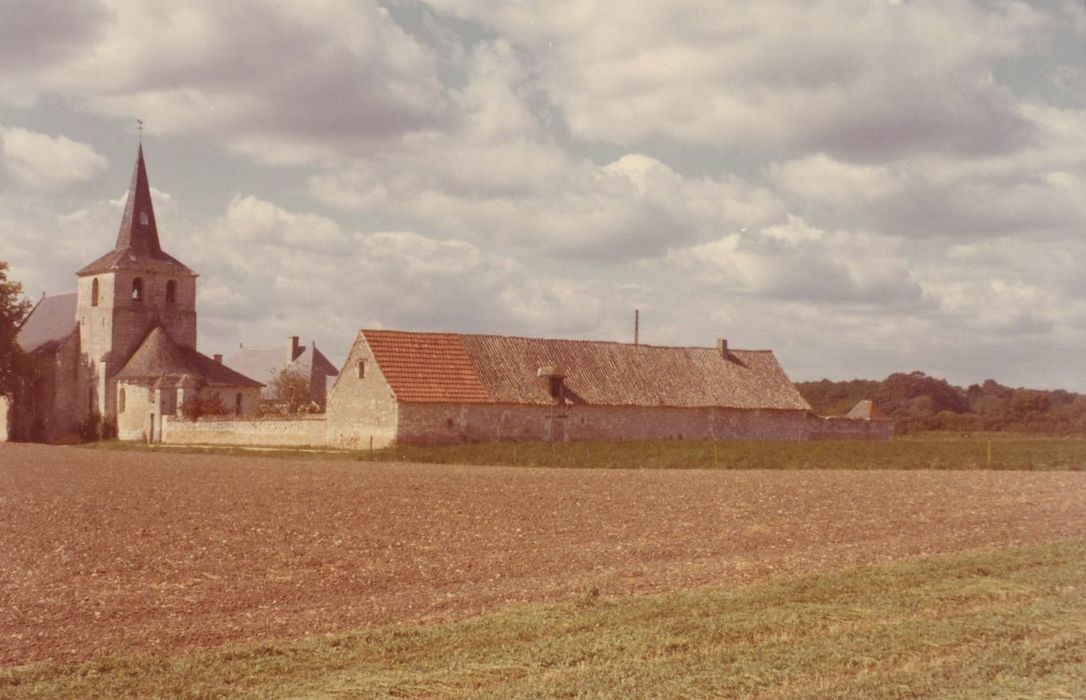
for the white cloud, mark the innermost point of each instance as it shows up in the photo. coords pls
(854, 79)
(37, 162)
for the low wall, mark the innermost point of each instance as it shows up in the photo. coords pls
(438, 424)
(297, 431)
(842, 428)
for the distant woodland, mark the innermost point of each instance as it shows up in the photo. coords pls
(918, 402)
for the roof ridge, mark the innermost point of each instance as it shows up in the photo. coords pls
(560, 340)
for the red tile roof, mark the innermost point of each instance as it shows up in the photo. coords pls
(426, 366)
(497, 369)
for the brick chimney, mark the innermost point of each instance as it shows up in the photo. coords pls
(722, 347)
(293, 350)
(218, 357)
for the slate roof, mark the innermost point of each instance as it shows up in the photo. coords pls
(159, 356)
(449, 367)
(264, 363)
(867, 410)
(51, 320)
(137, 242)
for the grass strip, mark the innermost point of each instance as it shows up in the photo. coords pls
(1005, 453)
(995, 623)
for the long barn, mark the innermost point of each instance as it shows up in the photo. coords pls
(441, 388)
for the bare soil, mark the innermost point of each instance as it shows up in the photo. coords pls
(106, 552)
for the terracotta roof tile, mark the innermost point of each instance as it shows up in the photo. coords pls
(499, 369)
(426, 366)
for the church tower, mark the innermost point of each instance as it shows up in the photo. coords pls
(127, 292)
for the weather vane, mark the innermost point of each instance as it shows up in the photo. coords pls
(140, 122)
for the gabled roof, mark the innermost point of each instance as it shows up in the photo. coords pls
(51, 320)
(264, 363)
(448, 367)
(159, 356)
(137, 239)
(427, 366)
(867, 410)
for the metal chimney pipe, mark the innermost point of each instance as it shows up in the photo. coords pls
(637, 325)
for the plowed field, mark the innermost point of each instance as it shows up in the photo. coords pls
(129, 551)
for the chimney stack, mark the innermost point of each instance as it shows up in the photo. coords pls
(722, 347)
(292, 351)
(218, 357)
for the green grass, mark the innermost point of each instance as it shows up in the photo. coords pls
(1002, 623)
(926, 452)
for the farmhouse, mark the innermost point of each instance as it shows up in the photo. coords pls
(120, 354)
(120, 351)
(440, 388)
(307, 363)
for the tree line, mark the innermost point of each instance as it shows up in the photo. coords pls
(917, 402)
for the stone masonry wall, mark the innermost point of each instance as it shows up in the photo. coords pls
(437, 423)
(361, 409)
(292, 432)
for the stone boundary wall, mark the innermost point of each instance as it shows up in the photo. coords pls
(445, 424)
(296, 431)
(842, 428)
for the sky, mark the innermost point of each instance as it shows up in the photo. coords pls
(864, 187)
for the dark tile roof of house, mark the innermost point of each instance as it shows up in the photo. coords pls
(137, 239)
(448, 367)
(159, 356)
(51, 320)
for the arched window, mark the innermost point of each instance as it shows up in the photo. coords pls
(171, 292)
(120, 401)
(237, 404)
(137, 289)
(94, 292)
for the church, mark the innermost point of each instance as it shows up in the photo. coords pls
(118, 354)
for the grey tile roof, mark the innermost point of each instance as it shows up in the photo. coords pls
(158, 355)
(51, 320)
(264, 363)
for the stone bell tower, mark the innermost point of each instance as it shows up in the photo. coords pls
(127, 292)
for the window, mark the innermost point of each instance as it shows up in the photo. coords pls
(237, 404)
(137, 289)
(171, 292)
(144, 219)
(555, 387)
(361, 369)
(94, 292)
(121, 401)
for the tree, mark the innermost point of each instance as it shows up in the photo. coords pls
(13, 310)
(290, 389)
(196, 406)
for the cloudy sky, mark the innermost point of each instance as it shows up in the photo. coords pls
(864, 187)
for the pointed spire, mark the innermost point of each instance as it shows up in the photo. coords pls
(138, 230)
